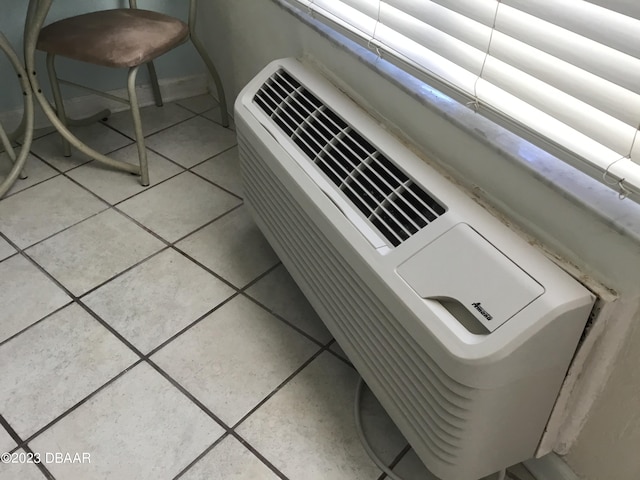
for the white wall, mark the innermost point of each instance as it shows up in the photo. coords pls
(244, 35)
(179, 63)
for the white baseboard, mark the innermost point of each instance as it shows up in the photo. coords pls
(86, 105)
(550, 467)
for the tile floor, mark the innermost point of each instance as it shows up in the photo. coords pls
(155, 329)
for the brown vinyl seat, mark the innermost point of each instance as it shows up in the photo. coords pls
(117, 38)
(121, 38)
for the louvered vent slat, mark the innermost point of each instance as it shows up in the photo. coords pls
(391, 201)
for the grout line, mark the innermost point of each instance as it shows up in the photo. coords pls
(41, 466)
(222, 152)
(9, 257)
(231, 430)
(12, 433)
(29, 327)
(260, 457)
(80, 403)
(282, 319)
(191, 325)
(202, 227)
(11, 194)
(188, 394)
(201, 456)
(280, 387)
(163, 129)
(107, 207)
(394, 463)
(338, 356)
(120, 274)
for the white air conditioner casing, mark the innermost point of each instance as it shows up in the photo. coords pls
(463, 331)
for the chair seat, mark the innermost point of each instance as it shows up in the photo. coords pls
(114, 38)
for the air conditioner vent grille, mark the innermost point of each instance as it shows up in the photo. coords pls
(390, 200)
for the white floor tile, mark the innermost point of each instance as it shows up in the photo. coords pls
(154, 119)
(52, 366)
(113, 185)
(157, 299)
(234, 358)
(93, 251)
(138, 428)
(179, 206)
(193, 141)
(39, 212)
(281, 295)
(223, 170)
(233, 247)
(6, 250)
(97, 136)
(307, 428)
(20, 471)
(229, 461)
(26, 296)
(36, 169)
(199, 104)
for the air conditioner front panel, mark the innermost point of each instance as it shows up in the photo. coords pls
(468, 403)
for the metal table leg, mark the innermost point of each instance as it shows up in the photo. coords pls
(26, 125)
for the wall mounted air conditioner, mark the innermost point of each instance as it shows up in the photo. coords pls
(462, 330)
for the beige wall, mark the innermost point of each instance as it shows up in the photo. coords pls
(609, 445)
(244, 35)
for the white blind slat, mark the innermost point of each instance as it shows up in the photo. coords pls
(420, 35)
(600, 60)
(581, 116)
(602, 94)
(596, 23)
(631, 8)
(411, 14)
(482, 11)
(346, 16)
(547, 126)
(368, 7)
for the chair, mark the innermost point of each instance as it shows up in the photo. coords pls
(118, 38)
(24, 130)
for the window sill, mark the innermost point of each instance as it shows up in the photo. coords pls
(596, 200)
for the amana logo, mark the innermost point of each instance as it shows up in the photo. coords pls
(482, 311)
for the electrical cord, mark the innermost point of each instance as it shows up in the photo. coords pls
(502, 475)
(365, 443)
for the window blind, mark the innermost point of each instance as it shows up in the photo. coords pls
(566, 73)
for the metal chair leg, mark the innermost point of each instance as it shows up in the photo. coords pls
(57, 98)
(137, 125)
(224, 114)
(155, 86)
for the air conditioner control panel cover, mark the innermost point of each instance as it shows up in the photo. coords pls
(462, 266)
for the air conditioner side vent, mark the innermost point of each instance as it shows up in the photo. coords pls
(386, 196)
